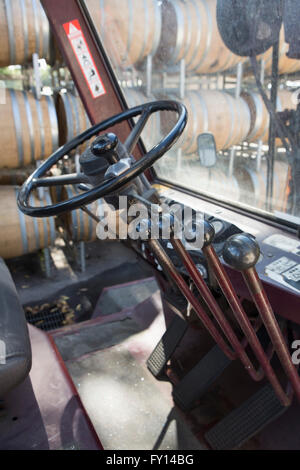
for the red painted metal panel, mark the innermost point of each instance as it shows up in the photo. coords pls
(101, 107)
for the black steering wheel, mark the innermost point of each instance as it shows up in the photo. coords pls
(106, 187)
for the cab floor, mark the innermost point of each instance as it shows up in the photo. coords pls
(127, 406)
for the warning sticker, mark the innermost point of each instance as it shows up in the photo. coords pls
(281, 265)
(286, 272)
(84, 57)
(293, 274)
(284, 243)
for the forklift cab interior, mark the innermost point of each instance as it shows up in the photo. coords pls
(184, 120)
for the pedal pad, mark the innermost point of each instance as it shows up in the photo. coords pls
(246, 421)
(165, 348)
(200, 378)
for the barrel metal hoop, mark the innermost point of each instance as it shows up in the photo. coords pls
(41, 125)
(146, 30)
(11, 33)
(36, 26)
(45, 31)
(188, 33)
(208, 38)
(50, 219)
(69, 116)
(53, 121)
(240, 118)
(35, 224)
(130, 30)
(199, 33)
(22, 227)
(25, 28)
(76, 113)
(247, 109)
(30, 125)
(180, 32)
(157, 27)
(228, 141)
(259, 114)
(18, 127)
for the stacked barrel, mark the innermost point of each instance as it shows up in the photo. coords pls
(24, 30)
(31, 129)
(28, 133)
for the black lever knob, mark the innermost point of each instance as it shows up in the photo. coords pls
(241, 252)
(105, 146)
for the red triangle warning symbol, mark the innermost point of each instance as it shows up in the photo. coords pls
(73, 27)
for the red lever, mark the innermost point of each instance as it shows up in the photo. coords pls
(242, 252)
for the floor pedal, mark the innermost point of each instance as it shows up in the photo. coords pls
(165, 348)
(246, 421)
(200, 378)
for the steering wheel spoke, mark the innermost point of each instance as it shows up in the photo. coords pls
(135, 134)
(61, 180)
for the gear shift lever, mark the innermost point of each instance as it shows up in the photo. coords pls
(238, 310)
(241, 252)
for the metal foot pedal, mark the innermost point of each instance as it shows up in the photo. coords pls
(165, 348)
(200, 378)
(246, 421)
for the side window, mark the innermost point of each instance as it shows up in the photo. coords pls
(173, 49)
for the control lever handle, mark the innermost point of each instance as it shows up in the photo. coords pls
(241, 252)
(208, 236)
(241, 259)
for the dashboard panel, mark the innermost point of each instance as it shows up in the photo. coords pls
(279, 263)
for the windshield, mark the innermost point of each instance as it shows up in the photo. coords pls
(174, 49)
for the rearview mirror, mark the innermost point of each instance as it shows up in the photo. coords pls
(207, 150)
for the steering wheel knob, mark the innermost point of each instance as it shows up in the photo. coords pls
(241, 252)
(104, 144)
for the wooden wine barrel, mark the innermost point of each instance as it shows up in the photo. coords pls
(253, 185)
(151, 135)
(260, 118)
(285, 64)
(79, 225)
(15, 177)
(28, 129)
(19, 233)
(72, 118)
(24, 30)
(226, 117)
(130, 29)
(190, 32)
